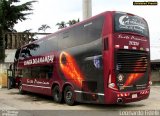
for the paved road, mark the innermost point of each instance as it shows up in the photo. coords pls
(31, 105)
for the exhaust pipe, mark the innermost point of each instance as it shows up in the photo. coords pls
(119, 101)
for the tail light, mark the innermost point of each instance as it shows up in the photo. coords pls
(123, 94)
(149, 83)
(111, 83)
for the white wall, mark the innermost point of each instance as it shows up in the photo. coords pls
(10, 53)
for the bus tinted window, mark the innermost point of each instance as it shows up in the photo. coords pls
(38, 72)
(17, 54)
(129, 23)
(26, 72)
(35, 71)
(38, 49)
(51, 44)
(30, 50)
(82, 34)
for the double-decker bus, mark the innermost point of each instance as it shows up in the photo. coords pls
(104, 59)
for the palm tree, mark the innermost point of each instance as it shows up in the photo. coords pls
(10, 14)
(72, 22)
(44, 27)
(61, 25)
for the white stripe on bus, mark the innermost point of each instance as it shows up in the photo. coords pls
(88, 92)
(36, 86)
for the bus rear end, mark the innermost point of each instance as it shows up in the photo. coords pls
(128, 70)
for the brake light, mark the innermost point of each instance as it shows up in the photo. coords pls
(150, 82)
(117, 46)
(111, 83)
(123, 94)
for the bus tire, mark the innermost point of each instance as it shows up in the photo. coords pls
(20, 88)
(69, 96)
(57, 95)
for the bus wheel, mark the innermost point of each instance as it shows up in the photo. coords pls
(69, 97)
(57, 95)
(20, 88)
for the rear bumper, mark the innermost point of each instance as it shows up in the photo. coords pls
(114, 97)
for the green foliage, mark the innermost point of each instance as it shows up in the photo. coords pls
(43, 27)
(10, 14)
(72, 22)
(62, 24)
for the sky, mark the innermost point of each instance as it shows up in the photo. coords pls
(51, 12)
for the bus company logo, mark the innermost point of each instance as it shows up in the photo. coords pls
(120, 77)
(39, 60)
(149, 3)
(96, 62)
(131, 23)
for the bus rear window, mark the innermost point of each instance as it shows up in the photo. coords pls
(130, 23)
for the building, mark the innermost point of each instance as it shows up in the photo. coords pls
(13, 41)
(155, 71)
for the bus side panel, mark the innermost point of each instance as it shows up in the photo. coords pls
(108, 52)
(81, 60)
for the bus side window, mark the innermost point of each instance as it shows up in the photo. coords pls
(46, 72)
(19, 73)
(26, 72)
(49, 75)
(35, 72)
(42, 75)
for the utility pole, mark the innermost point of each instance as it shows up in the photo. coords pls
(87, 9)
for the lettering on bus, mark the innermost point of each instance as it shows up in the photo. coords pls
(45, 59)
(134, 43)
(35, 81)
(131, 37)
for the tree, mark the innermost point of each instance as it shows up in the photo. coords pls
(30, 36)
(72, 22)
(44, 27)
(10, 14)
(61, 25)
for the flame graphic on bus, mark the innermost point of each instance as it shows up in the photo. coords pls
(132, 78)
(70, 69)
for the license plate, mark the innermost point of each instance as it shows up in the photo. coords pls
(134, 95)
